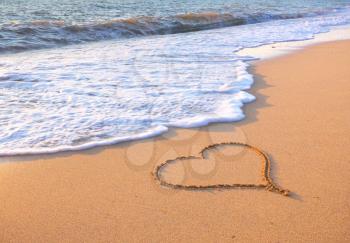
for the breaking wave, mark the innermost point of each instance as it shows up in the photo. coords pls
(18, 36)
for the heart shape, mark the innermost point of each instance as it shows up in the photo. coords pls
(266, 170)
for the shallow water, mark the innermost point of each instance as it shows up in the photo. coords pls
(74, 96)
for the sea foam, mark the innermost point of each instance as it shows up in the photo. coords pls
(93, 94)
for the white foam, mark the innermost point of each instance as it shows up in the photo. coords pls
(282, 48)
(29, 151)
(83, 96)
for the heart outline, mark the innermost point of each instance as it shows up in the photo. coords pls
(266, 171)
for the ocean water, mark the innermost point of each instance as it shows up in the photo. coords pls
(78, 74)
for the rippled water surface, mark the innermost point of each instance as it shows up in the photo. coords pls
(33, 24)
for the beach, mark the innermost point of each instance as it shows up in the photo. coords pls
(300, 118)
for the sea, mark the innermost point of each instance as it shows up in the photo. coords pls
(76, 74)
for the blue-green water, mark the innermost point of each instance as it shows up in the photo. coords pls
(32, 24)
(82, 11)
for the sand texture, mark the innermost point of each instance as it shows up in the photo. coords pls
(301, 120)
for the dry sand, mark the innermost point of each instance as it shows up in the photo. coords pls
(301, 119)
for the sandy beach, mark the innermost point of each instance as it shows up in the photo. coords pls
(301, 119)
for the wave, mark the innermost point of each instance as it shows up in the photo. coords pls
(16, 36)
(85, 96)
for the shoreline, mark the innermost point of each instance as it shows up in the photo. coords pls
(299, 118)
(279, 49)
(260, 53)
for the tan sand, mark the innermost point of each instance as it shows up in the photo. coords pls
(301, 118)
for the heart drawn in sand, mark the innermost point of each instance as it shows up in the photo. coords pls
(267, 184)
